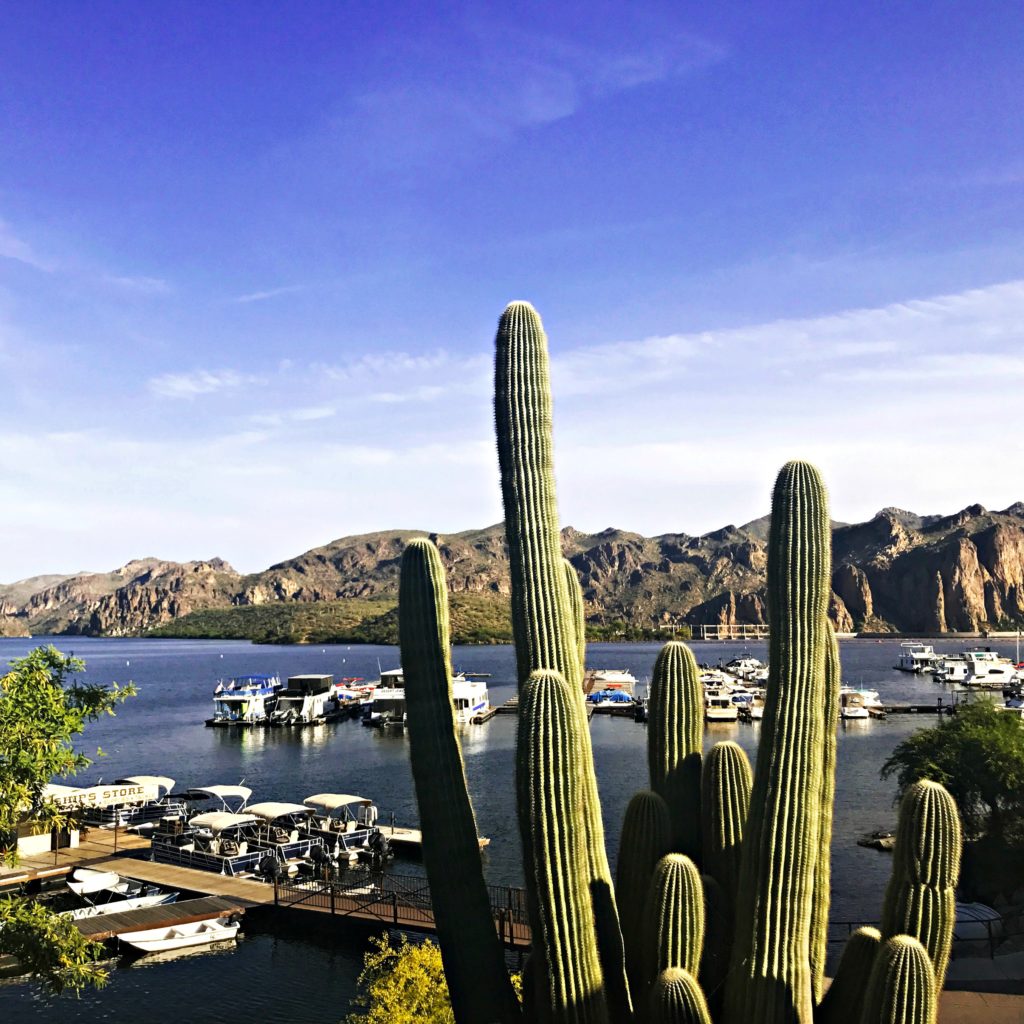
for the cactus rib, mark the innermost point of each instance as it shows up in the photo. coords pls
(725, 801)
(901, 989)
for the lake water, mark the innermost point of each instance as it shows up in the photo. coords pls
(276, 977)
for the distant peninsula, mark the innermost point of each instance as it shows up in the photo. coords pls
(897, 572)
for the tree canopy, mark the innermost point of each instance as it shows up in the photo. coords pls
(42, 710)
(978, 755)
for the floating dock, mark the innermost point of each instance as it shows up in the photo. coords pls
(168, 915)
(410, 840)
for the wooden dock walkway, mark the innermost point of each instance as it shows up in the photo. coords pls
(168, 915)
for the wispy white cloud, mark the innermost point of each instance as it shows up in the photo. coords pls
(142, 285)
(269, 293)
(201, 382)
(13, 247)
(421, 393)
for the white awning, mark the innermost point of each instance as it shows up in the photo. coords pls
(217, 821)
(224, 792)
(273, 809)
(332, 801)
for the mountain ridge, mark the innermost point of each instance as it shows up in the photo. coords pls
(897, 571)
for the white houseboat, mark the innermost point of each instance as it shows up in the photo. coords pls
(387, 708)
(306, 700)
(915, 657)
(244, 700)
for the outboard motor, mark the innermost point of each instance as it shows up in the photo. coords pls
(269, 868)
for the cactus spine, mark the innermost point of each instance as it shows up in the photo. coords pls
(676, 998)
(725, 800)
(569, 985)
(920, 899)
(542, 618)
(823, 870)
(646, 838)
(675, 735)
(770, 976)
(901, 989)
(673, 919)
(844, 1000)
(474, 961)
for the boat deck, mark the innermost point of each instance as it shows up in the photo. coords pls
(168, 915)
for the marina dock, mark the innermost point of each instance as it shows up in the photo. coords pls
(410, 840)
(168, 915)
(399, 901)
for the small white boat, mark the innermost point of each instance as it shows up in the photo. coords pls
(196, 933)
(112, 894)
(852, 706)
(720, 708)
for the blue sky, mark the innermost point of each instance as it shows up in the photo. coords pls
(252, 256)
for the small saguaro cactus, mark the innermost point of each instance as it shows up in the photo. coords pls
(845, 997)
(901, 989)
(673, 919)
(921, 897)
(675, 734)
(676, 998)
(725, 800)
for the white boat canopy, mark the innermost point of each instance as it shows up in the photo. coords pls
(161, 782)
(273, 809)
(225, 793)
(332, 801)
(217, 821)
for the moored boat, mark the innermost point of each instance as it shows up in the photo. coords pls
(915, 657)
(195, 933)
(244, 700)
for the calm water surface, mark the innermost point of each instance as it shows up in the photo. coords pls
(289, 977)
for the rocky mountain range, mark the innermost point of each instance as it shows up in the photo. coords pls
(897, 572)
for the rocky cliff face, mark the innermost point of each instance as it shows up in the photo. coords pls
(898, 571)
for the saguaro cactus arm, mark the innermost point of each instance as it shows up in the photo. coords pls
(844, 1000)
(474, 961)
(901, 989)
(725, 801)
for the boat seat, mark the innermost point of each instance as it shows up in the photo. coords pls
(351, 826)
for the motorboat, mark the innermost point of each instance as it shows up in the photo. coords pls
(244, 700)
(195, 933)
(107, 892)
(347, 824)
(989, 668)
(219, 841)
(611, 678)
(745, 668)
(915, 657)
(306, 700)
(852, 706)
(286, 834)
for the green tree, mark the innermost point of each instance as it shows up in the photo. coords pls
(978, 755)
(42, 710)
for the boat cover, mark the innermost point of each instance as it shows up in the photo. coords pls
(85, 880)
(217, 821)
(273, 809)
(332, 801)
(160, 781)
(224, 792)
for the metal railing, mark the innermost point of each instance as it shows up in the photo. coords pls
(968, 936)
(399, 900)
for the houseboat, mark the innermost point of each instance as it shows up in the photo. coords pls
(306, 700)
(387, 708)
(719, 707)
(914, 657)
(983, 667)
(244, 700)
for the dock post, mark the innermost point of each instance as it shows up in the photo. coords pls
(276, 896)
(331, 889)
(394, 906)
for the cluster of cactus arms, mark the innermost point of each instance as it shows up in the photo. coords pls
(719, 911)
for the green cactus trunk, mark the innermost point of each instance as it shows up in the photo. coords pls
(725, 802)
(646, 838)
(901, 989)
(569, 988)
(770, 975)
(921, 897)
(474, 961)
(675, 735)
(579, 619)
(676, 998)
(823, 871)
(673, 920)
(542, 617)
(844, 1001)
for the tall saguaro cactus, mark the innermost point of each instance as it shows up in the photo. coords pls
(770, 979)
(474, 962)
(543, 622)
